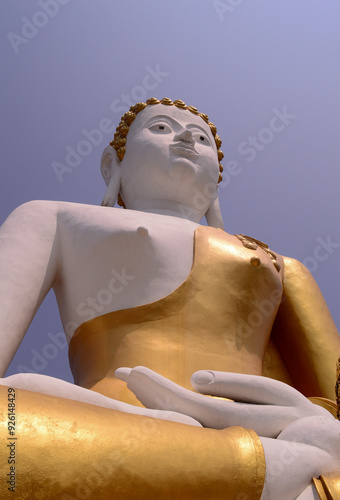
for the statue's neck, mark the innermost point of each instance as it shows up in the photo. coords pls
(167, 207)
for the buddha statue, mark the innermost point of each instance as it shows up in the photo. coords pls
(155, 305)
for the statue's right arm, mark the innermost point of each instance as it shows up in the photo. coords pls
(28, 269)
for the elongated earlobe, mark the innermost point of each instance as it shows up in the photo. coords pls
(213, 214)
(110, 168)
(112, 191)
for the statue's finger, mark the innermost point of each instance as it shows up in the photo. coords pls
(126, 375)
(154, 390)
(247, 388)
(123, 373)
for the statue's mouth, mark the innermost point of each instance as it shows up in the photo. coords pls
(184, 147)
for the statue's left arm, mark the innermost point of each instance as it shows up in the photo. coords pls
(305, 333)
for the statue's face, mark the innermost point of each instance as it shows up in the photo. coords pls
(170, 154)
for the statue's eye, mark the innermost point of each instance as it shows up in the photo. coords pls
(163, 128)
(201, 138)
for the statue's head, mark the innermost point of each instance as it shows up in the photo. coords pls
(165, 151)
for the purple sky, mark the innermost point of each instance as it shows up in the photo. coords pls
(267, 73)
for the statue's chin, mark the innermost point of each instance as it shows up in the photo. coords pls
(182, 170)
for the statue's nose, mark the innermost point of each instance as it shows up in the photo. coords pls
(184, 135)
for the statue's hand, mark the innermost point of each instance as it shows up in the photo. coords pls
(265, 405)
(308, 441)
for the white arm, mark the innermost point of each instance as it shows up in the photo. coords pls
(28, 269)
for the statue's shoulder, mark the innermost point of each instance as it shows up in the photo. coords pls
(44, 213)
(45, 206)
(33, 212)
(37, 217)
(85, 213)
(62, 209)
(295, 268)
(297, 275)
(292, 263)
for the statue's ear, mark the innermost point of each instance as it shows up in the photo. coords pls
(213, 214)
(110, 169)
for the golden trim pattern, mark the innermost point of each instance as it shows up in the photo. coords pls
(252, 244)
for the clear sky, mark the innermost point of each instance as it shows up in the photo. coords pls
(266, 72)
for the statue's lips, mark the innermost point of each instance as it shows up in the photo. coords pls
(184, 147)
